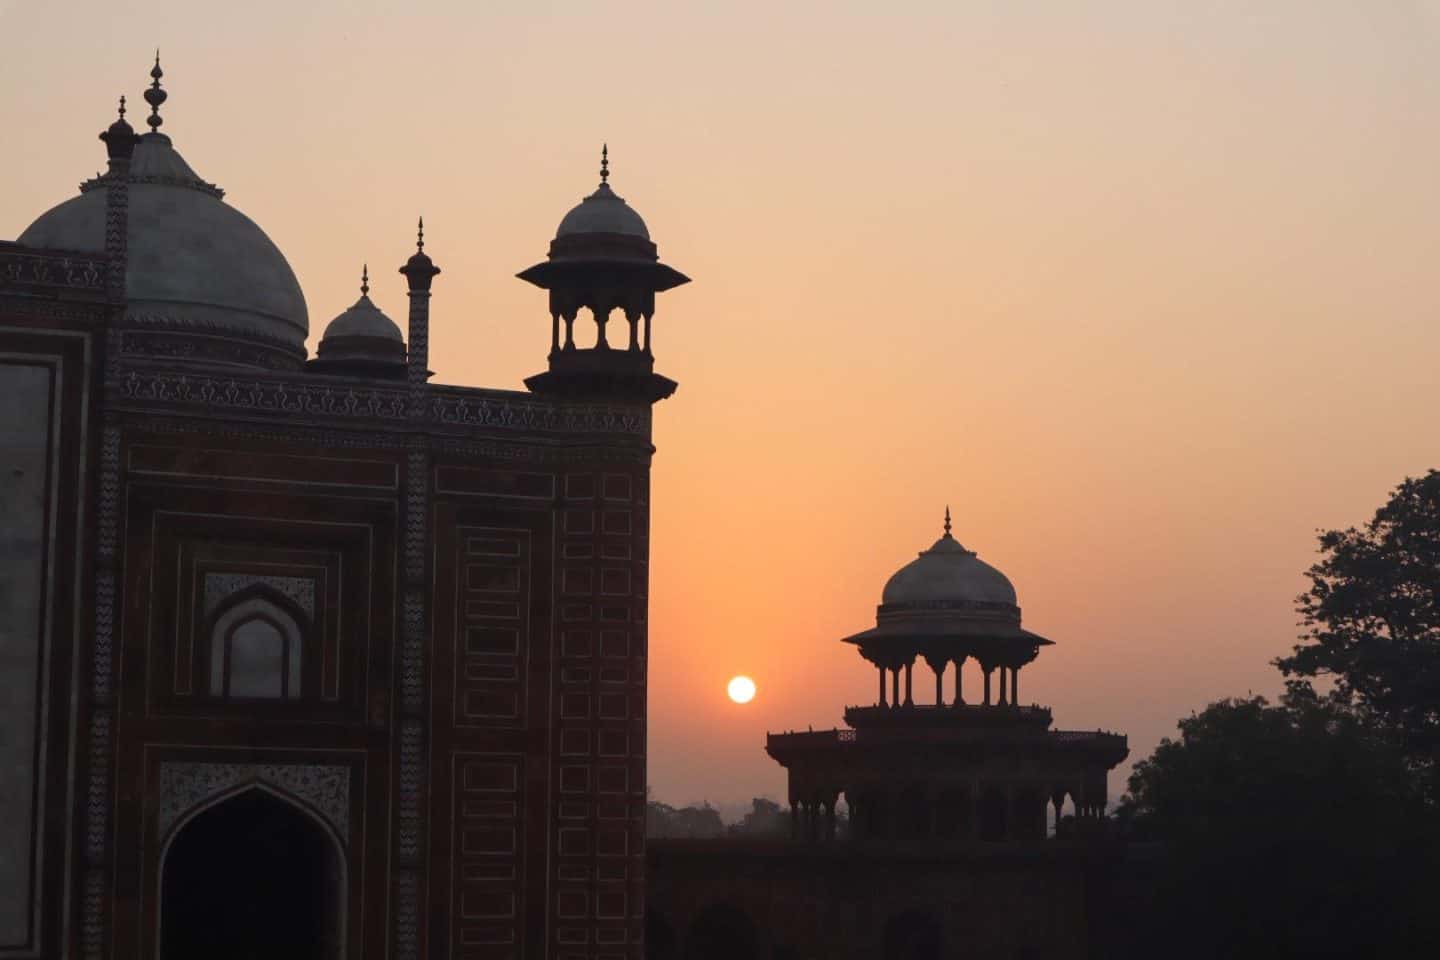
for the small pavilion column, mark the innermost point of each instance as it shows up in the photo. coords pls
(895, 687)
(1015, 686)
(959, 697)
(987, 670)
(939, 685)
(1002, 701)
(909, 700)
(882, 687)
(794, 820)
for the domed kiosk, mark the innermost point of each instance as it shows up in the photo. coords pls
(946, 772)
(602, 260)
(203, 281)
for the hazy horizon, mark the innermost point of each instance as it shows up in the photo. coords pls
(1144, 291)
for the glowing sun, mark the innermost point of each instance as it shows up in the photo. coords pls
(741, 689)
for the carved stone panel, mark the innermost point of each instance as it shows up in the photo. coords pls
(325, 788)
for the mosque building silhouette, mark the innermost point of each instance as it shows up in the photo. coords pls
(311, 656)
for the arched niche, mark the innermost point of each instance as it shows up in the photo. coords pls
(256, 643)
(252, 873)
(994, 814)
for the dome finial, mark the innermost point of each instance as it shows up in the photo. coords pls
(947, 519)
(604, 164)
(122, 106)
(365, 280)
(420, 236)
(155, 96)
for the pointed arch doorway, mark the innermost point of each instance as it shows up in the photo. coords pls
(252, 876)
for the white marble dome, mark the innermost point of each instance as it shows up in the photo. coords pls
(364, 319)
(195, 263)
(603, 212)
(947, 575)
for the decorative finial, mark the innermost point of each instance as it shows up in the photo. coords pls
(604, 163)
(947, 520)
(155, 96)
(420, 235)
(122, 106)
(365, 280)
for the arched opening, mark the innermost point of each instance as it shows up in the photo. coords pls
(993, 820)
(913, 935)
(659, 937)
(952, 814)
(722, 932)
(1028, 821)
(256, 645)
(876, 814)
(252, 876)
(914, 820)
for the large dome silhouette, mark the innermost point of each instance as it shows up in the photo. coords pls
(195, 263)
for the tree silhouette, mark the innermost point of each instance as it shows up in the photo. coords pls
(1372, 619)
(1289, 830)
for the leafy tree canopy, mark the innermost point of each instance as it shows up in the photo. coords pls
(1372, 619)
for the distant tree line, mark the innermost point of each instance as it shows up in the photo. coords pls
(1311, 827)
(766, 818)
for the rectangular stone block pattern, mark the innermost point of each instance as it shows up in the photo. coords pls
(495, 575)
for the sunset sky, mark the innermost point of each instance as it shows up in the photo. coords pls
(1145, 291)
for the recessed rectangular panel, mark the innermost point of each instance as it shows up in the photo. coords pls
(25, 492)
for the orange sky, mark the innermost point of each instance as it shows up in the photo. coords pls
(1144, 290)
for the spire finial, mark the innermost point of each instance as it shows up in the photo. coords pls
(155, 96)
(947, 519)
(604, 163)
(122, 106)
(420, 235)
(365, 280)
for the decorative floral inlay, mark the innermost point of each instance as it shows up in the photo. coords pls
(323, 787)
(218, 586)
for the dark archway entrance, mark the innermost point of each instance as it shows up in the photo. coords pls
(252, 877)
(913, 935)
(722, 932)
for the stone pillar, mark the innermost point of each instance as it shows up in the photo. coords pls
(1015, 686)
(412, 773)
(602, 317)
(939, 686)
(909, 701)
(895, 687)
(959, 696)
(1002, 686)
(882, 687)
(986, 668)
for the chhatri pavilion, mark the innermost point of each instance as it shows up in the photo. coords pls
(947, 772)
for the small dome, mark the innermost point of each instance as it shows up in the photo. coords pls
(195, 263)
(603, 212)
(364, 319)
(362, 340)
(947, 575)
